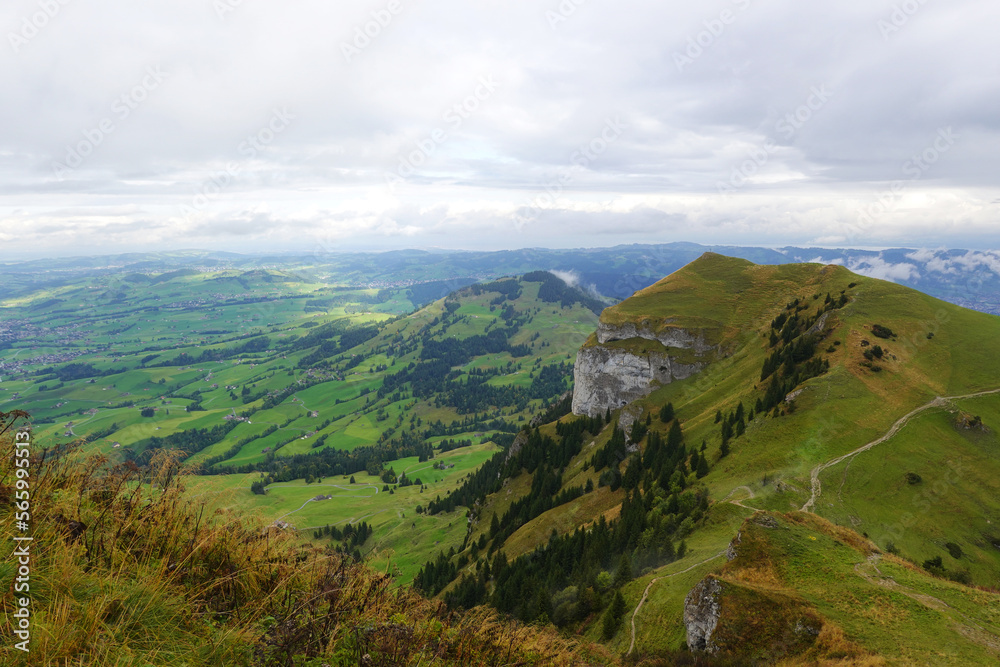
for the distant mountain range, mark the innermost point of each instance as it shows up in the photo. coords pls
(967, 278)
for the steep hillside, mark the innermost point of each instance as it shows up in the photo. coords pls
(317, 406)
(178, 365)
(804, 388)
(119, 574)
(798, 587)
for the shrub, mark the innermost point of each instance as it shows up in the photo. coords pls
(913, 478)
(961, 576)
(954, 550)
(935, 566)
(882, 332)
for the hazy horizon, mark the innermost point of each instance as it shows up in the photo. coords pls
(329, 250)
(389, 124)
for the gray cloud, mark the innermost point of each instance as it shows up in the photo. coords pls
(742, 121)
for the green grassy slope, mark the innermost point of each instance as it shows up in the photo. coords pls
(935, 350)
(286, 354)
(806, 589)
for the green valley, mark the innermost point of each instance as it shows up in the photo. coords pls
(739, 464)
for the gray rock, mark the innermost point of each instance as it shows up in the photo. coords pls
(626, 420)
(701, 615)
(765, 520)
(612, 378)
(670, 337)
(732, 551)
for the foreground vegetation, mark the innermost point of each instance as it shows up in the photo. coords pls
(126, 575)
(812, 363)
(438, 446)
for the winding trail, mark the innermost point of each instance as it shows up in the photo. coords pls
(751, 495)
(969, 627)
(940, 401)
(973, 631)
(739, 503)
(645, 594)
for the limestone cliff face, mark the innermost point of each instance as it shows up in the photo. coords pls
(701, 615)
(612, 376)
(673, 337)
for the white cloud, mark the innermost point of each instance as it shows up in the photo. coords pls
(416, 94)
(943, 261)
(922, 255)
(839, 261)
(877, 267)
(571, 278)
(973, 260)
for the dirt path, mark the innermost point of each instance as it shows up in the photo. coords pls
(970, 628)
(645, 594)
(739, 503)
(817, 487)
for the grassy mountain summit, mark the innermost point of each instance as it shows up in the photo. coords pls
(891, 351)
(894, 437)
(805, 390)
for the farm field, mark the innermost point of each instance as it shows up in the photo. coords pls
(284, 378)
(403, 537)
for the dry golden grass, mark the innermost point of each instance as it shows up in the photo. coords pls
(125, 571)
(834, 649)
(759, 576)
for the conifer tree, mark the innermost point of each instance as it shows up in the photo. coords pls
(623, 574)
(702, 467)
(613, 616)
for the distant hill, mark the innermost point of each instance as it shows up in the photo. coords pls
(964, 277)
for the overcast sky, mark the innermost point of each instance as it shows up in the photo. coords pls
(252, 125)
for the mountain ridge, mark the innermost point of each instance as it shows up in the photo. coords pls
(815, 364)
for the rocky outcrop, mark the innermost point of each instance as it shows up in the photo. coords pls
(612, 376)
(667, 337)
(701, 614)
(626, 420)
